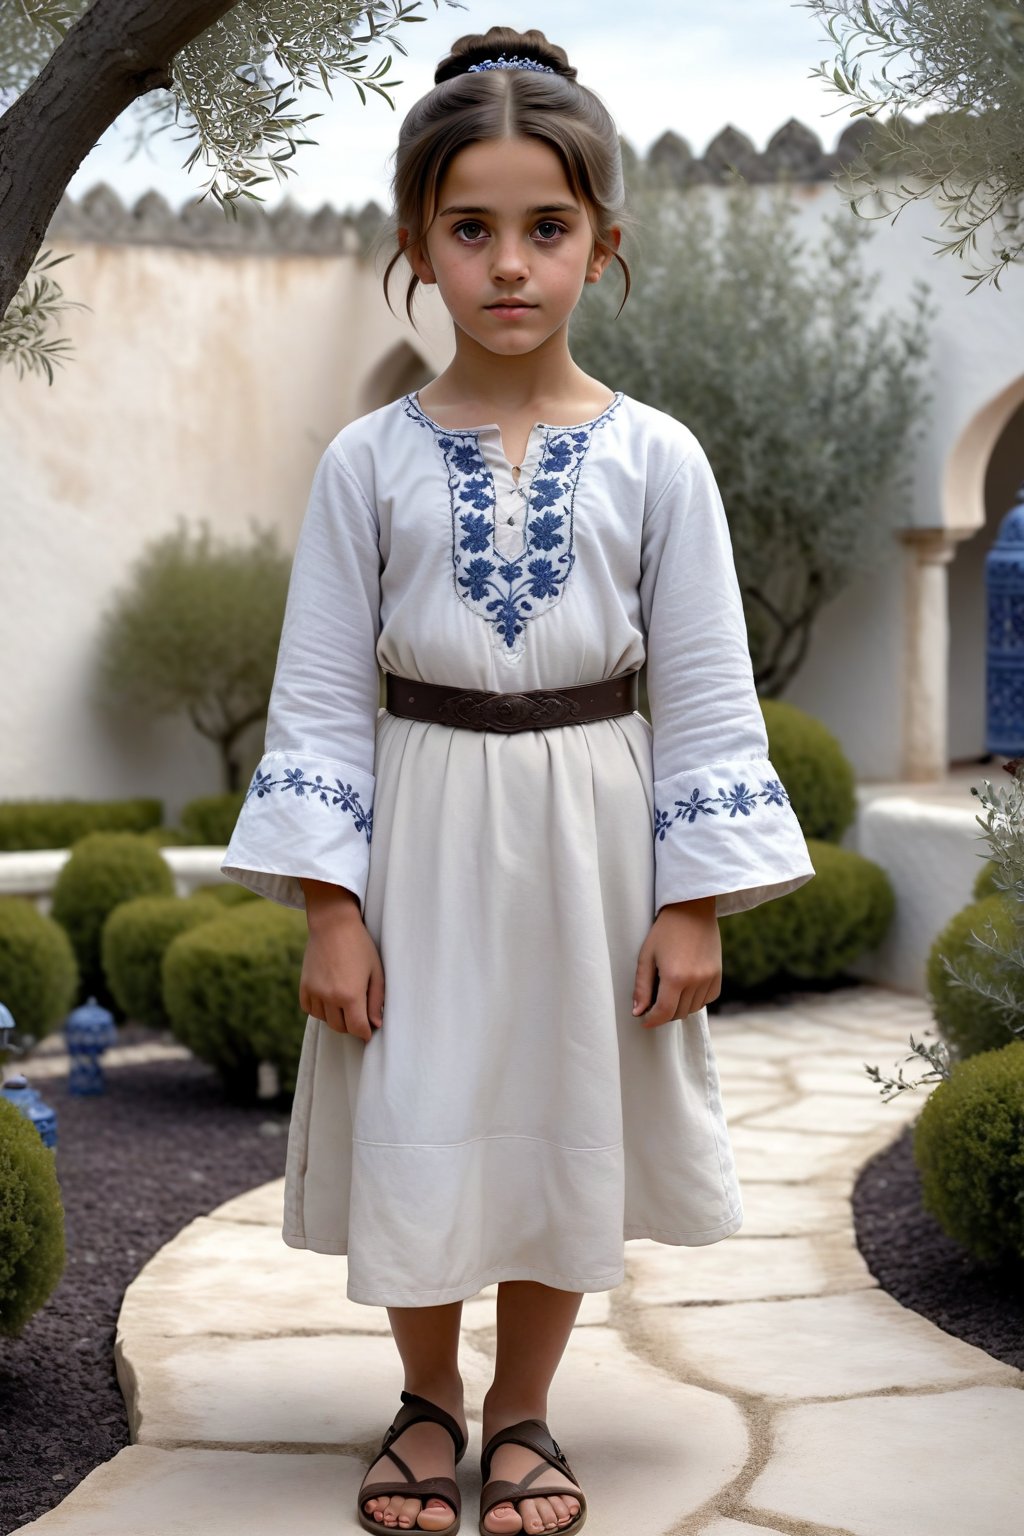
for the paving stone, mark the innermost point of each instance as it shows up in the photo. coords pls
(769, 1156)
(927, 1464)
(822, 1346)
(738, 1528)
(758, 1044)
(263, 1205)
(741, 1102)
(757, 1268)
(480, 1311)
(748, 1071)
(840, 1113)
(144, 1491)
(795, 1210)
(240, 1278)
(270, 1394)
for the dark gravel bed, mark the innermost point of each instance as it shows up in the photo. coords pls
(912, 1258)
(135, 1165)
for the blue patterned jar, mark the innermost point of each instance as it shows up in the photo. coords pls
(1004, 670)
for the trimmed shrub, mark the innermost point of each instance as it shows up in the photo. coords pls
(104, 869)
(812, 933)
(813, 768)
(135, 939)
(32, 1251)
(231, 989)
(38, 970)
(969, 1023)
(969, 1147)
(228, 894)
(27, 824)
(210, 820)
(165, 837)
(985, 884)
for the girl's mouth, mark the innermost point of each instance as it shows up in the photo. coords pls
(509, 307)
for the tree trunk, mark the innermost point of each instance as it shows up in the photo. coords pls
(117, 51)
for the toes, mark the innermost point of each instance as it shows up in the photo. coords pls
(537, 1515)
(436, 1516)
(503, 1520)
(408, 1509)
(561, 1507)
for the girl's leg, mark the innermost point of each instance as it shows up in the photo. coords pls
(534, 1324)
(428, 1342)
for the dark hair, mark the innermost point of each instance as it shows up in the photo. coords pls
(465, 109)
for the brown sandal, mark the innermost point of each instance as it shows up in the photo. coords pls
(535, 1435)
(415, 1409)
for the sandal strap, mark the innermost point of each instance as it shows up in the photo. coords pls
(426, 1488)
(536, 1436)
(415, 1410)
(498, 1491)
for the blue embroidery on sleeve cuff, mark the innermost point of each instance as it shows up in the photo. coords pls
(738, 799)
(338, 794)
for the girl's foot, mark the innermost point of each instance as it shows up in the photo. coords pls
(511, 1463)
(428, 1451)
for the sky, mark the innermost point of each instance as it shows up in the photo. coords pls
(689, 65)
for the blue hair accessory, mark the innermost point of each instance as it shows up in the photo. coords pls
(514, 63)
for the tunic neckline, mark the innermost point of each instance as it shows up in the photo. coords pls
(493, 426)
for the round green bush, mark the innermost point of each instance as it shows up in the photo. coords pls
(228, 894)
(969, 1147)
(969, 1023)
(32, 1252)
(104, 869)
(812, 933)
(165, 837)
(813, 768)
(210, 819)
(38, 970)
(28, 824)
(985, 882)
(231, 989)
(135, 938)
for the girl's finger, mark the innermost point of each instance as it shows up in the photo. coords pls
(375, 998)
(316, 1007)
(334, 1018)
(644, 988)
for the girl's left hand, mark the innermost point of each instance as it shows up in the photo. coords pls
(685, 948)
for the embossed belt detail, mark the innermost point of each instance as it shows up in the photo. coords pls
(476, 709)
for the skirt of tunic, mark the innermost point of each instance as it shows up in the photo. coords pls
(511, 1119)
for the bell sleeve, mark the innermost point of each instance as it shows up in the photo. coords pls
(723, 822)
(308, 811)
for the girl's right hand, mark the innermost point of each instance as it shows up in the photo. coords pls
(342, 979)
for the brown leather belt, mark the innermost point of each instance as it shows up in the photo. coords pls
(477, 710)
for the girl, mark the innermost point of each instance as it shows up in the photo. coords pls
(531, 870)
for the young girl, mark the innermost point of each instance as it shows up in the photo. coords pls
(512, 882)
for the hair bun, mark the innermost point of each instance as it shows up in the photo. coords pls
(477, 46)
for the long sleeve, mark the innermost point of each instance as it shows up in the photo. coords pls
(308, 811)
(724, 825)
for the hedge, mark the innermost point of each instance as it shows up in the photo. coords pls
(210, 819)
(27, 824)
(32, 1250)
(967, 1022)
(104, 869)
(812, 933)
(969, 1148)
(813, 768)
(135, 939)
(231, 989)
(38, 970)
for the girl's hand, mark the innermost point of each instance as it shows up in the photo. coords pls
(685, 948)
(342, 979)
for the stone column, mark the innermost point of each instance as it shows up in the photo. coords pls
(926, 653)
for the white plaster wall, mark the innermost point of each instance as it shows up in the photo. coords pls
(203, 385)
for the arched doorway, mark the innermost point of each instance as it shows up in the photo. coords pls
(986, 473)
(399, 371)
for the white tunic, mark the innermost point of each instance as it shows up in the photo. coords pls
(511, 1118)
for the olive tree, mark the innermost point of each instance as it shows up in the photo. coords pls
(965, 60)
(226, 73)
(803, 397)
(196, 630)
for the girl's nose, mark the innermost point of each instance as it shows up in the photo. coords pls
(508, 262)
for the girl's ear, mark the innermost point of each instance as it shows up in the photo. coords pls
(603, 254)
(415, 255)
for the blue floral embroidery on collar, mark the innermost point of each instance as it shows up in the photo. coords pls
(738, 800)
(336, 795)
(508, 592)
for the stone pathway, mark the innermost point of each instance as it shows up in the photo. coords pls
(761, 1384)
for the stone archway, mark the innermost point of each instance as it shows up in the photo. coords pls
(983, 477)
(398, 372)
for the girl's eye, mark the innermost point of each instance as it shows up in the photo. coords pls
(470, 231)
(548, 229)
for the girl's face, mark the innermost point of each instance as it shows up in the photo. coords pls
(511, 247)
